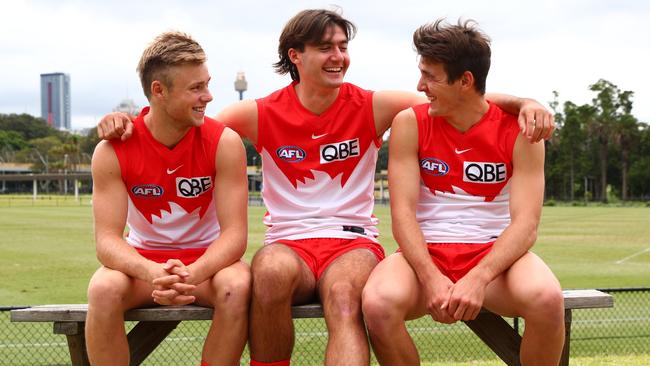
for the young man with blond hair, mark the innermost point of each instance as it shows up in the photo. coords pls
(180, 185)
(318, 138)
(466, 192)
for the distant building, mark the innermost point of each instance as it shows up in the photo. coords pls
(55, 100)
(127, 106)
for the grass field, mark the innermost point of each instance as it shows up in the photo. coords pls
(47, 252)
(47, 256)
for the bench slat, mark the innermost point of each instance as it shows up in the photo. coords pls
(587, 299)
(573, 299)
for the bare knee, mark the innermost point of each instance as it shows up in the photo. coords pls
(344, 300)
(233, 291)
(274, 275)
(373, 305)
(379, 307)
(546, 306)
(107, 290)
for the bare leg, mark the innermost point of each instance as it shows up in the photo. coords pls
(228, 291)
(391, 296)
(340, 290)
(280, 279)
(110, 294)
(530, 290)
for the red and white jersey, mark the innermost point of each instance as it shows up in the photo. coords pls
(464, 192)
(170, 203)
(318, 170)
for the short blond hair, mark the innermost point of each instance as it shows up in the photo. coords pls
(167, 50)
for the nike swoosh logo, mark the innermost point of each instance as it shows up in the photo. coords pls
(314, 137)
(169, 171)
(461, 151)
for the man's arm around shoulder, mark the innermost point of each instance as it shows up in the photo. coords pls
(231, 196)
(242, 117)
(535, 121)
(386, 104)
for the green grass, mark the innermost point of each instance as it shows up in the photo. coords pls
(47, 252)
(47, 256)
(627, 360)
(583, 245)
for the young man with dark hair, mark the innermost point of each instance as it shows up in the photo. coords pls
(466, 192)
(180, 185)
(318, 138)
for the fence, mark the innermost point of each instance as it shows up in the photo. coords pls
(622, 330)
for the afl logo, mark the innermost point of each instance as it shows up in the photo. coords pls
(291, 154)
(147, 190)
(433, 166)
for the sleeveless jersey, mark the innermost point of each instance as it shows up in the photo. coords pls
(170, 191)
(464, 191)
(318, 170)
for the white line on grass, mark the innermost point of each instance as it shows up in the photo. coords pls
(37, 345)
(633, 255)
(612, 320)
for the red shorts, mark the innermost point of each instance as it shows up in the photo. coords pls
(319, 253)
(454, 260)
(187, 256)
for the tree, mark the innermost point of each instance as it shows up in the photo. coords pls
(639, 174)
(569, 142)
(29, 127)
(627, 136)
(10, 142)
(611, 107)
(88, 142)
(45, 150)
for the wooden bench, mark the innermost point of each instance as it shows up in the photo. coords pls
(154, 324)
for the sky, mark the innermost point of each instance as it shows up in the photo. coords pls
(537, 47)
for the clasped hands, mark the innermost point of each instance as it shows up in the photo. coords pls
(449, 302)
(171, 285)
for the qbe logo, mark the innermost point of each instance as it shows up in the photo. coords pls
(192, 187)
(433, 166)
(291, 154)
(147, 190)
(339, 151)
(481, 172)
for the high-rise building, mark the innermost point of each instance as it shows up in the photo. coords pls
(55, 100)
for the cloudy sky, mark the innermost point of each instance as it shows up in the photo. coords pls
(537, 47)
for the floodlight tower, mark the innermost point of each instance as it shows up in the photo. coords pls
(241, 84)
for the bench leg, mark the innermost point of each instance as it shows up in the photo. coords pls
(497, 334)
(564, 360)
(74, 332)
(146, 336)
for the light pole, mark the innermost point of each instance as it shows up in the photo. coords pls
(240, 84)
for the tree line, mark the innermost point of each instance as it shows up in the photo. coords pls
(28, 139)
(599, 151)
